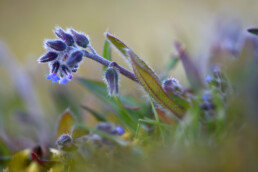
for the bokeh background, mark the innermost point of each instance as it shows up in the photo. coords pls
(149, 27)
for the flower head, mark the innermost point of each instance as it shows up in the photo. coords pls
(63, 55)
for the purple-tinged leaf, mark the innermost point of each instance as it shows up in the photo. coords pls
(147, 78)
(191, 70)
(150, 82)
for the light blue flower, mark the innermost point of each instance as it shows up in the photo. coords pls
(120, 130)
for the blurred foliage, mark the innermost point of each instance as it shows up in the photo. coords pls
(215, 130)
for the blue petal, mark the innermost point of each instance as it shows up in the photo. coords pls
(70, 76)
(55, 79)
(63, 81)
(208, 78)
(120, 130)
(50, 76)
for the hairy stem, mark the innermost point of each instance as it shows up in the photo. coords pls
(106, 62)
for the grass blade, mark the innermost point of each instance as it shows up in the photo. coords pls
(98, 116)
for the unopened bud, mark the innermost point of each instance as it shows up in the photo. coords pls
(56, 45)
(49, 56)
(105, 126)
(112, 80)
(55, 67)
(67, 38)
(80, 39)
(64, 140)
(171, 85)
(65, 70)
(74, 58)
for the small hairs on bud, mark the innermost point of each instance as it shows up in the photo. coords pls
(80, 39)
(49, 56)
(66, 37)
(56, 45)
(112, 80)
(74, 59)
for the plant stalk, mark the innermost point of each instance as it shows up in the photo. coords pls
(105, 62)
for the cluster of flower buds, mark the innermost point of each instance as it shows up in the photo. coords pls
(108, 128)
(111, 78)
(64, 55)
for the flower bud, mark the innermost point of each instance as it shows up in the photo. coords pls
(207, 103)
(112, 80)
(75, 68)
(55, 67)
(65, 70)
(105, 126)
(67, 38)
(65, 143)
(80, 39)
(171, 85)
(120, 130)
(49, 56)
(64, 139)
(74, 58)
(56, 45)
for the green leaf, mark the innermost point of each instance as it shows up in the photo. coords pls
(65, 123)
(99, 88)
(122, 47)
(98, 116)
(150, 82)
(106, 52)
(253, 30)
(147, 78)
(78, 131)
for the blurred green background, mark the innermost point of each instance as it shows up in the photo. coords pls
(149, 27)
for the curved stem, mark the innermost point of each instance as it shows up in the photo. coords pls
(106, 62)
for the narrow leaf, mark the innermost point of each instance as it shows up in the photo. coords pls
(78, 131)
(65, 123)
(191, 70)
(106, 52)
(147, 78)
(150, 82)
(122, 47)
(98, 116)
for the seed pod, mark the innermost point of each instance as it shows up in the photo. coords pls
(112, 81)
(56, 45)
(49, 56)
(66, 37)
(80, 39)
(74, 59)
